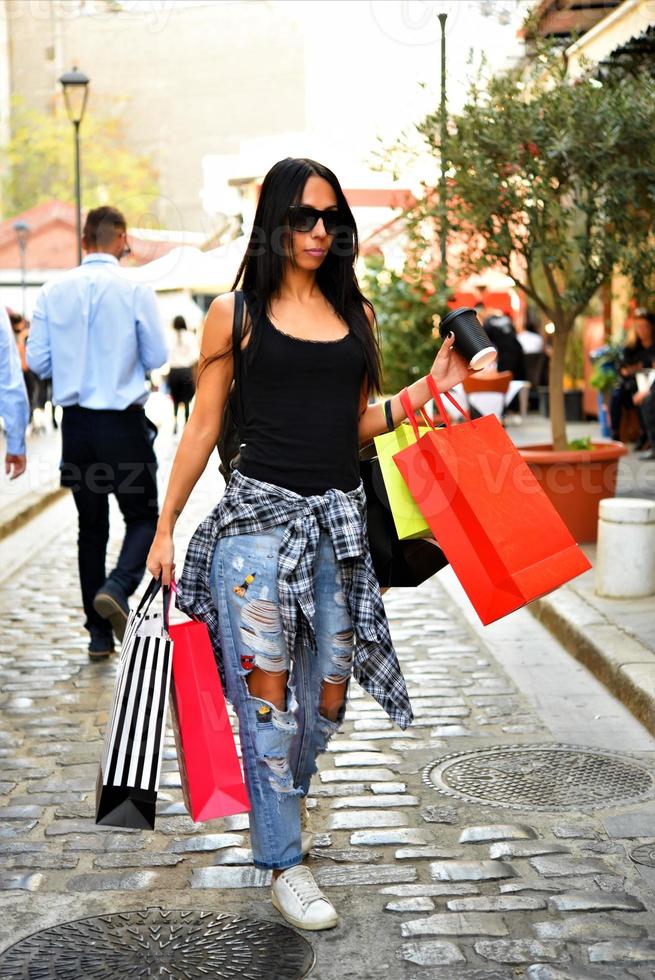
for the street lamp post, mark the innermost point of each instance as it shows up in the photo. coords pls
(76, 89)
(443, 187)
(22, 230)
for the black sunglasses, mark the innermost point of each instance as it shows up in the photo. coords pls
(302, 217)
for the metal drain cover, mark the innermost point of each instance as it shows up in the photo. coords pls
(644, 854)
(541, 777)
(156, 942)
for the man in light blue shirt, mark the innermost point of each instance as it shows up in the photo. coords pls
(14, 406)
(97, 334)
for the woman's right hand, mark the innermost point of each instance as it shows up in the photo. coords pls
(160, 562)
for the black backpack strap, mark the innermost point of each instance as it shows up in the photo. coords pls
(237, 333)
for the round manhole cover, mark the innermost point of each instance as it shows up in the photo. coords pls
(644, 854)
(158, 943)
(541, 777)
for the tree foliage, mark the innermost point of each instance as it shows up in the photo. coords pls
(39, 162)
(404, 312)
(553, 180)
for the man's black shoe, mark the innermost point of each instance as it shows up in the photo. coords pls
(101, 646)
(641, 443)
(110, 603)
(646, 457)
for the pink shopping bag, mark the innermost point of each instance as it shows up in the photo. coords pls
(212, 781)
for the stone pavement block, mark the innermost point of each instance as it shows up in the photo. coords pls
(30, 882)
(431, 953)
(417, 904)
(520, 950)
(456, 924)
(233, 856)
(525, 849)
(337, 790)
(352, 855)
(440, 814)
(497, 903)
(130, 859)
(631, 823)
(567, 831)
(13, 829)
(542, 971)
(399, 835)
(20, 812)
(405, 853)
(496, 832)
(367, 818)
(206, 842)
(100, 881)
(353, 874)
(623, 951)
(379, 800)
(595, 902)
(367, 759)
(230, 878)
(554, 866)
(450, 888)
(352, 775)
(470, 870)
(51, 862)
(587, 926)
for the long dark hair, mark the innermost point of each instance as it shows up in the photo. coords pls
(262, 268)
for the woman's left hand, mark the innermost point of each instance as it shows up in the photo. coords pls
(449, 368)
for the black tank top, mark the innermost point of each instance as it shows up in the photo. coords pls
(299, 403)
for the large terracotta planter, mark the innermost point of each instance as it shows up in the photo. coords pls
(576, 480)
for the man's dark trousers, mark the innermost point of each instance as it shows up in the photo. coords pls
(107, 452)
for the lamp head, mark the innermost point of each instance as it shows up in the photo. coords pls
(76, 89)
(22, 230)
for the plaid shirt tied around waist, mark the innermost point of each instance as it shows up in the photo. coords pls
(250, 506)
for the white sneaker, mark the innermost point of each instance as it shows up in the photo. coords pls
(300, 901)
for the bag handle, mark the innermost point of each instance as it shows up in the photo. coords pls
(432, 384)
(405, 401)
(153, 588)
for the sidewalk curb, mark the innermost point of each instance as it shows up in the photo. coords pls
(31, 506)
(623, 664)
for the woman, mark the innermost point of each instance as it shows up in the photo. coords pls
(182, 361)
(638, 354)
(280, 570)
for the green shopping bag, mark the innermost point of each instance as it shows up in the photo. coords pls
(407, 517)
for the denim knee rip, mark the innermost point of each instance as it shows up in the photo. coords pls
(274, 729)
(342, 657)
(261, 633)
(273, 734)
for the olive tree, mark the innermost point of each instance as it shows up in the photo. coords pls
(553, 180)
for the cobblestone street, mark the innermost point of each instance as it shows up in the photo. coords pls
(449, 850)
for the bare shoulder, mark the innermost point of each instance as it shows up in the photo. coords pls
(217, 329)
(370, 313)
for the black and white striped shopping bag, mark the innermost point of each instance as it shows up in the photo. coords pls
(128, 778)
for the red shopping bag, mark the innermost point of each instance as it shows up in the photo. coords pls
(504, 539)
(212, 782)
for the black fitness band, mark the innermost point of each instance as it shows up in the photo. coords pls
(388, 415)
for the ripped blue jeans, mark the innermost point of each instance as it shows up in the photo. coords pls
(279, 748)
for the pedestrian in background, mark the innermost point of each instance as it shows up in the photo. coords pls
(281, 570)
(96, 334)
(183, 362)
(14, 406)
(638, 354)
(502, 334)
(21, 330)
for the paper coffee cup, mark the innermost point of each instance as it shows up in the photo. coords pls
(470, 339)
